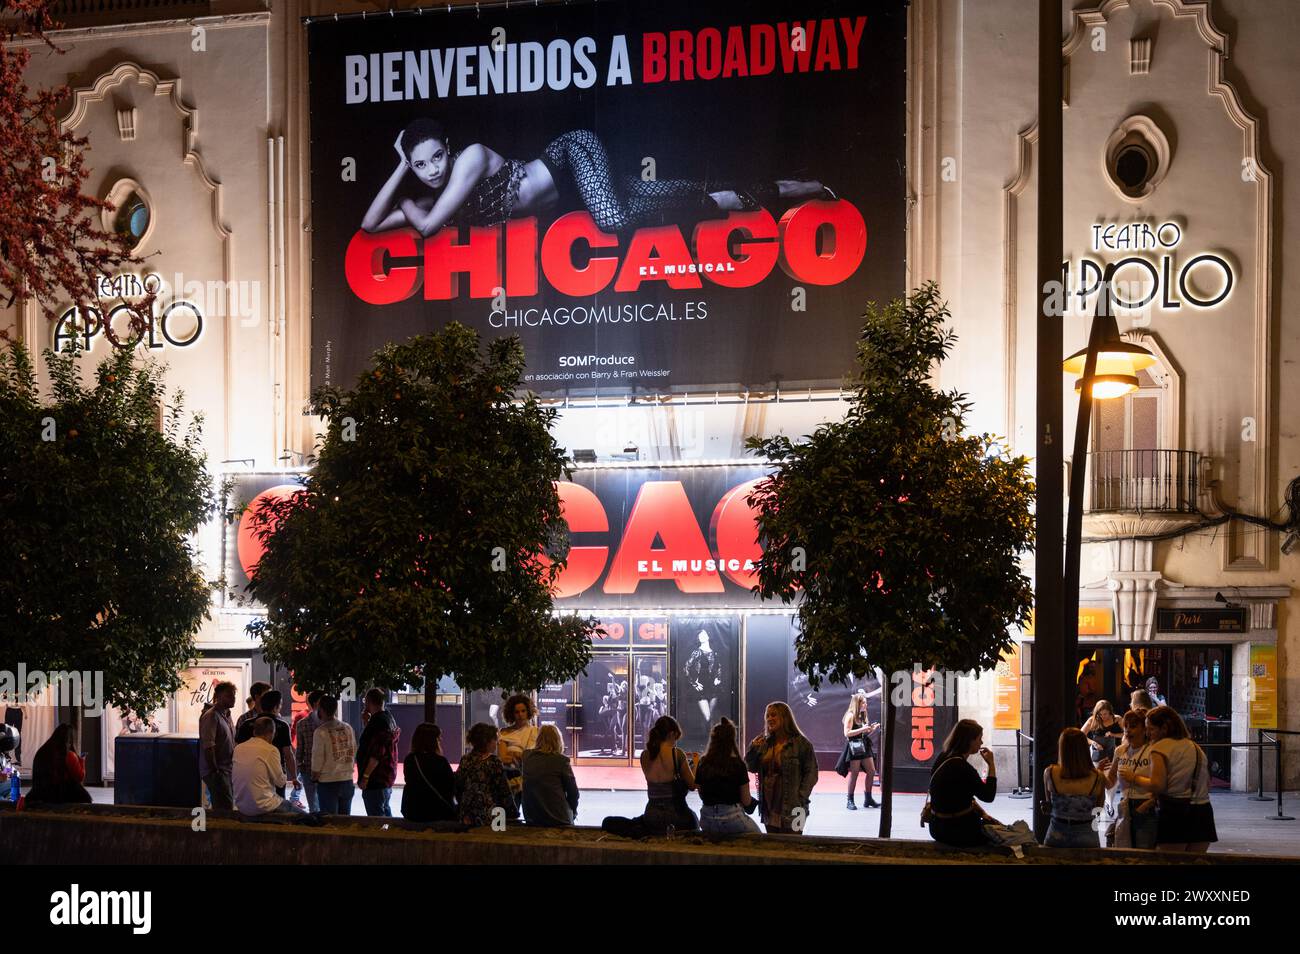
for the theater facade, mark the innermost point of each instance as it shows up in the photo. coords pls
(245, 144)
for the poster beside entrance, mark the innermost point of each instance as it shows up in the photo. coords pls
(705, 658)
(1263, 683)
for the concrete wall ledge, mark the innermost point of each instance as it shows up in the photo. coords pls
(115, 834)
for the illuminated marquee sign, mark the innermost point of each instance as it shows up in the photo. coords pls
(1168, 281)
(177, 323)
(645, 537)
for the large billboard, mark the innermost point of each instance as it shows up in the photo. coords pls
(655, 197)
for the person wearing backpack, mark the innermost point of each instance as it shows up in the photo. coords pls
(1180, 779)
(951, 812)
(430, 793)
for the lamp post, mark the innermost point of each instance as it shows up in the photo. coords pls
(1107, 369)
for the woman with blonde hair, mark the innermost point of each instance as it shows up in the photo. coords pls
(858, 755)
(1103, 730)
(786, 766)
(550, 790)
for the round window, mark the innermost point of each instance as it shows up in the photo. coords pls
(131, 215)
(1133, 167)
(133, 218)
(1136, 158)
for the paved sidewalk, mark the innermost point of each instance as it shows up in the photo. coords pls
(1243, 824)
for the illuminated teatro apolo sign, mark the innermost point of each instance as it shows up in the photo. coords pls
(1152, 270)
(176, 323)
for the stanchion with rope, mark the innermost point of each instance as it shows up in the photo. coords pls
(1260, 796)
(1021, 790)
(1277, 745)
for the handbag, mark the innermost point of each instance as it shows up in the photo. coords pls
(419, 768)
(928, 814)
(857, 749)
(1178, 805)
(679, 784)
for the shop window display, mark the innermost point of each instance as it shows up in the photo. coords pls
(650, 696)
(603, 703)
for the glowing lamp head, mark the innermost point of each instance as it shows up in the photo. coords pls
(1105, 386)
(1118, 363)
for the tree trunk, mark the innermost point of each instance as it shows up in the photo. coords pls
(887, 764)
(431, 700)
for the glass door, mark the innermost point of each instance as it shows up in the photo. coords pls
(601, 728)
(649, 689)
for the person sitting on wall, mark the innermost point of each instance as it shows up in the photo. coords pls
(669, 775)
(481, 786)
(58, 771)
(951, 812)
(258, 775)
(430, 792)
(269, 703)
(550, 789)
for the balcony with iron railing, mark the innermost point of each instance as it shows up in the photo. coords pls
(1140, 492)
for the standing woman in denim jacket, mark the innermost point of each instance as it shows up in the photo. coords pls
(786, 766)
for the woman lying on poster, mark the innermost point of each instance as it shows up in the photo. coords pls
(478, 186)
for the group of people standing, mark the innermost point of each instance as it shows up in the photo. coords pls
(1134, 782)
(258, 765)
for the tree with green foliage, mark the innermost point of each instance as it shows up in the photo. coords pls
(412, 551)
(101, 494)
(899, 535)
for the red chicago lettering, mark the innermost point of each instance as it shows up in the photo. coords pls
(557, 255)
(445, 259)
(661, 511)
(364, 266)
(584, 514)
(734, 531)
(818, 243)
(521, 257)
(642, 264)
(754, 259)
(844, 248)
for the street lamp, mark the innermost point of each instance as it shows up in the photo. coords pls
(1118, 361)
